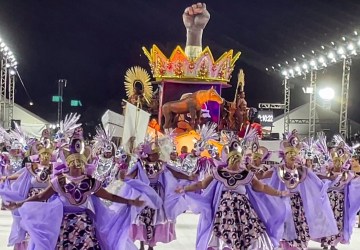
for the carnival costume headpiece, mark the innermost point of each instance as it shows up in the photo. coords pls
(20, 140)
(290, 144)
(77, 149)
(341, 148)
(308, 148)
(167, 144)
(5, 137)
(67, 128)
(103, 141)
(257, 151)
(148, 146)
(322, 149)
(44, 145)
(120, 155)
(207, 132)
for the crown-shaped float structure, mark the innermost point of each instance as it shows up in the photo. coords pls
(181, 66)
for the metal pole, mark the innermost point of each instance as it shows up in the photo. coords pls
(61, 85)
(59, 103)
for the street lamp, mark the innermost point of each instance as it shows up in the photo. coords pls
(61, 85)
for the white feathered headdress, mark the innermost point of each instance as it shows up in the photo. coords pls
(167, 144)
(4, 136)
(207, 132)
(20, 140)
(67, 127)
(103, 141)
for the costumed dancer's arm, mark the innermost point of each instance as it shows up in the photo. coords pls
(182, 176)
(132, 175)
(325, 177)
(102, 193)
(43, 196)
(265, 175)
(10, 178)
(197, 186)
(258, 186)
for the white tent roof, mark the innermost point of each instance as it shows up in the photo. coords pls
(31, 123)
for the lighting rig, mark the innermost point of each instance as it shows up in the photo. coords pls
(341, 52)
(8, 72)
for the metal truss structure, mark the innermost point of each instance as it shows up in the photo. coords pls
(3, 85)
(316, 121)
(271, 106)
(11, 99)
(7, 92)
(312, 111)
(343, 127)
(286, 106)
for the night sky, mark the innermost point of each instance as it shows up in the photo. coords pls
(92, 43)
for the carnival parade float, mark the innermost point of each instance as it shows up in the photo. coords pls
(189, 87)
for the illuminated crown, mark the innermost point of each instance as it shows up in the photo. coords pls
(181, 66)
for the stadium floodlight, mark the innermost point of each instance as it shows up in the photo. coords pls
(327, 93)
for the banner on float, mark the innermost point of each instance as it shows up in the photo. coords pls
(135, 125)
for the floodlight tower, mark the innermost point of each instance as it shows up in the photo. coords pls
(345, 97)
(3, 75)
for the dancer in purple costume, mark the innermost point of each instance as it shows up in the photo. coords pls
(154, 225)
(342, 188)
(309, 215)
(78, 218)
(33, 180)
(233, 216)
(104, 161)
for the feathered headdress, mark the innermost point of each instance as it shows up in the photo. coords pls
(20, 140)
(148, 146)
(322, 149)
(67, 128)
(308, 148)
(4, 136)
(120, 155)
(291, 143)
(167, 144)
(103, 141)
(341, 147)
(257, 151)
(249, 139)
(207, 132)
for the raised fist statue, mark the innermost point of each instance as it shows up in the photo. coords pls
(195, 18)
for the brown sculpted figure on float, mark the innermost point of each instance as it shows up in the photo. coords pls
(191, 104)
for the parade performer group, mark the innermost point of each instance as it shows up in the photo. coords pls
(64, 193)
(243, 202)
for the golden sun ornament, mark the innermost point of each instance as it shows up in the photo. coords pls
(137, 75)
